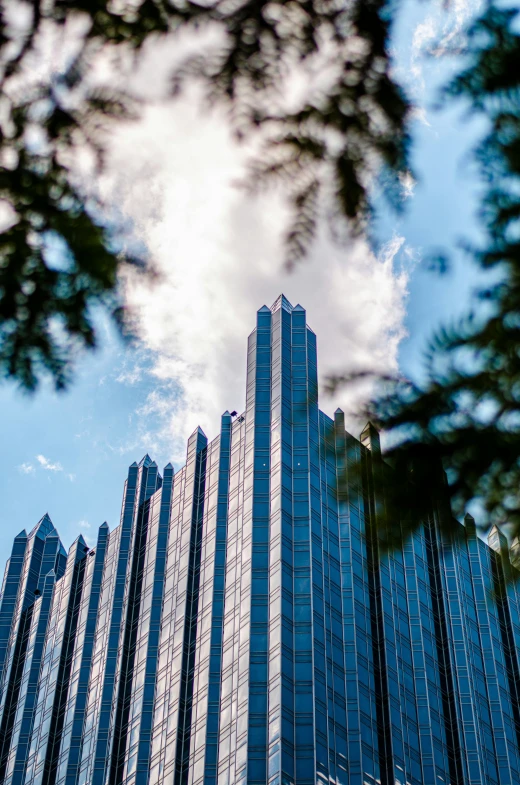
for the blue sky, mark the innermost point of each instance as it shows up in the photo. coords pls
(68, 454)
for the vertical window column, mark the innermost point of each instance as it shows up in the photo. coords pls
(21, 736)
(280, 662)
(10, 589)
(451, 575)
(232, 732)
(70, 744)
(148, 482)
(166, 701)
(303, 475)
(258, 652)
(95, 752)
(508, 671)
(54, 676)
(382, 638)
(217, 604)
(150, 625)
(197, 459)
(43, 557)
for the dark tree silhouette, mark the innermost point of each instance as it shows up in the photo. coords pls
(337, 137)
(467, 412)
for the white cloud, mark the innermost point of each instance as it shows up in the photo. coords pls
(419, 113)
(83, 527)
(219, 256)
(26, 468)
(439, 33)
(48, 465)
(407, 183)
(130, 374)
(451, 33)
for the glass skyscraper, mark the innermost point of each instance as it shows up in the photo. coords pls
(240, 625)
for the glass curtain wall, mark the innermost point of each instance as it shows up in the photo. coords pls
(243, 625)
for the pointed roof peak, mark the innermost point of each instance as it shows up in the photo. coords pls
(281, 302)
(264, 309)
(496, 538)
(21, 535)
(339, 411)
(197, 441)
(196, 436)
(469, 524)
(298, 308)
(44, 527)
(79, 547)
(146, 461)
(104, 525)
(169, 465)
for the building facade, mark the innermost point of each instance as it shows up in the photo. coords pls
(240, 625)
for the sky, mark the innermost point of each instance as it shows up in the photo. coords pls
(172, 177)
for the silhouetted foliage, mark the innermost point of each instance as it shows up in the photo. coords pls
(57, 257)
(466, 414)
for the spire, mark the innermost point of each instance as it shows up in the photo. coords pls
(44, 527)
(281, 302)
(514, 553)
(78, 548)
(198, 432)
(82, 541)
(469, 525)
(496, 539)
(196, 442)
(339, 421)
(370, 438)
(146, 462)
